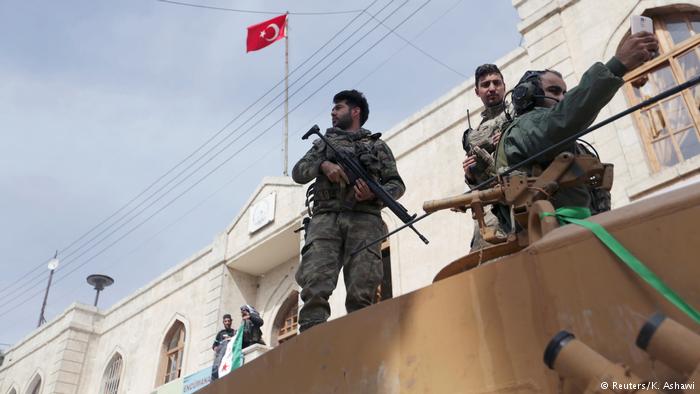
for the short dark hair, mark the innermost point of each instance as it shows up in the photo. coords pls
(536, 75)
(354, 99)
(486, 69)
(226, 316)
(555, 72)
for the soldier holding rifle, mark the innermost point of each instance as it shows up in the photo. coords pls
(480, 143)
(346, 214)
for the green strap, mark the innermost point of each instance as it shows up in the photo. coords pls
(576, 215)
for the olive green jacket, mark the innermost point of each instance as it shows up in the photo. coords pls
(374, 155)
(540, 128)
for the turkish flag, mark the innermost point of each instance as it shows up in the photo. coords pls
(265, 33)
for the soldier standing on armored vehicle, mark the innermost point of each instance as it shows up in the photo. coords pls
(480, 143)
(547, 113)
(344, 217)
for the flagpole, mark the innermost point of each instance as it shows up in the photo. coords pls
(286, 93)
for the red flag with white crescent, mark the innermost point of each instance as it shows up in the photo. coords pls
(265, 33)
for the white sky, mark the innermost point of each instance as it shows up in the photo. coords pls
(98, 99)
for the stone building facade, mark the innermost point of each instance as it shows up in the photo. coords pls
(164, 331)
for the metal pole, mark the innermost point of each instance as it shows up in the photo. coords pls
(42, 320)
(286, 93)
(97, 296)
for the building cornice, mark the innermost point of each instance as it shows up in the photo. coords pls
(535, 19)
(63, 318)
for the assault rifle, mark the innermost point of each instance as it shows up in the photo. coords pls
(354, 170)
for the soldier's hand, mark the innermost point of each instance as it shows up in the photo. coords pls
(334, 172)
(362, 191)
(637, 49)
(468, 162)
(496, 137)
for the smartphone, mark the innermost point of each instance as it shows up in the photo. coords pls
(641, 23)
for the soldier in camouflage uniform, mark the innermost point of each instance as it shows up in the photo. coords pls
(481, 143)
(554, 114)
(345, 217)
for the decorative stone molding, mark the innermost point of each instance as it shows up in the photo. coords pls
(553, 7)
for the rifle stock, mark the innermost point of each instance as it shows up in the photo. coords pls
(313, 130)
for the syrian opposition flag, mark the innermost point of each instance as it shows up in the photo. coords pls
(233, 357)
(265, 33)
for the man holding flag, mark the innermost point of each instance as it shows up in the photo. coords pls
(232, 357)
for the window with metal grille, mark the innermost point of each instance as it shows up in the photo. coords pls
(290, 325)
(670, 129)
(173, 351)
(112, 375)
(286, 323)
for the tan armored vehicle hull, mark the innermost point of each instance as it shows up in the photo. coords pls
(484, 330)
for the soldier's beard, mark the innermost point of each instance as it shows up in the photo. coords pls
(495, 103)
(343, 122)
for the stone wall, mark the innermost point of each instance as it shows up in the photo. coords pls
(56, 353)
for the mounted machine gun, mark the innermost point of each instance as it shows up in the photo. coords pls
(529, 199)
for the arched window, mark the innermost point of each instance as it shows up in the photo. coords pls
(287, 321)
(173, 351)
(112, 375)
(35, 385)
(670, 129)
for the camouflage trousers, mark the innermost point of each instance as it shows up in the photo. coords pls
(330, 239)
(477, 241)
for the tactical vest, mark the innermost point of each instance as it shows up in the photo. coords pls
(332, 197)
(480, 143)
(493, 120)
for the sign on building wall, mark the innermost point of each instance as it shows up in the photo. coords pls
(187, 385)
(262, 213)
(174, 387)
(196, 381)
